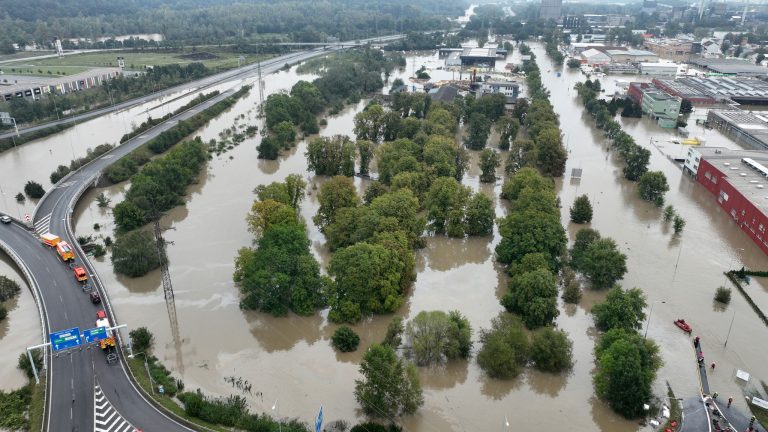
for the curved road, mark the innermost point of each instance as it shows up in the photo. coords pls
(84, 392)
(196, 85)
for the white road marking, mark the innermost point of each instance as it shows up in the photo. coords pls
(105, 416)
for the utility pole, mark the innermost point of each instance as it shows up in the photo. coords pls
(729, 329)
(261, 91)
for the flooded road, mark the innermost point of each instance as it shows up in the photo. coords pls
(290, 359)
(679, 275)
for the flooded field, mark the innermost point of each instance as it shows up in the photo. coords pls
(290, 359)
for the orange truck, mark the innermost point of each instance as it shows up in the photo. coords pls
(80, 274)
(107, 344)
(65, 251)
(50, 239)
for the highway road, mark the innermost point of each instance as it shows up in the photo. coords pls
(200, 84)
(84, 392)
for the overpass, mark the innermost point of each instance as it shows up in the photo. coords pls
(84, 392)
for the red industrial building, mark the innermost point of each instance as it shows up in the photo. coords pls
(737, 179)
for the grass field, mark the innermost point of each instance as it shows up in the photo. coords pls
(136, 60)
(35, 70)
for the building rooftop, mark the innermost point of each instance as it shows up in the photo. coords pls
(659, 64)
(738, 89)
(657, 94)
(730, 66)
(479, 52)
(755, 125)
(748, 180)
(23, 82)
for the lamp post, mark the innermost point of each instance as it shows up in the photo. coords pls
(276, 408)
(650, 314)
(146, 366)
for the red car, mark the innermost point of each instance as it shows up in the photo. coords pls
(101, 314)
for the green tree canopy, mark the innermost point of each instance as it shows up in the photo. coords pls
(504, 348)
(626, 368)
(336, 193)
(390, 387)
(367, 279)
(622, 309)
(434, 336)
(602, 263)
(581, 212)
(135, 254)
(551, 350)
(533, 295)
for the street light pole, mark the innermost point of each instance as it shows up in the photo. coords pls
(729, 329)
(650, 314)
(146, 366)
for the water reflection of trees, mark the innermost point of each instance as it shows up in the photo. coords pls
(445, 376)
(547, 384)
(283, 333)
(141, 285)
(499, 389)
(443, 253)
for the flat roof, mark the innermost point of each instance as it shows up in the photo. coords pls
(23, 82)
(753, 125)
(730, 66)
(742, 177)
(479, 52)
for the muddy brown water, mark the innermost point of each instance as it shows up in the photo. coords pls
(290, 360)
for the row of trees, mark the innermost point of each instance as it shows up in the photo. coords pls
(544, 150)
(597, 258)
(652, 185)
(346, 78)
(279, 274)
(532, 243)
(157, 188)
(626, 361)
(128, 166)
(196, 22)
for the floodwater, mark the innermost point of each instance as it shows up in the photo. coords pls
(20, 329)
(290, 359)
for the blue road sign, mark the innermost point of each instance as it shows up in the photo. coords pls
(64, 339)
(94, 334)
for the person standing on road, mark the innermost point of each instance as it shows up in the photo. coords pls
(713, 366)
(730, 400)
(696, 342)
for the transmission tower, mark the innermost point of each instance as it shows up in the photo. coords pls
(170, 299)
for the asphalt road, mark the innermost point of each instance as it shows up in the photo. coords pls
(196, 85)
(79, 380)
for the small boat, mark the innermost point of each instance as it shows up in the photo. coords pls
(684, 326)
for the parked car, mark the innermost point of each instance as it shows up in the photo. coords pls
(5, 219)
(95, 297)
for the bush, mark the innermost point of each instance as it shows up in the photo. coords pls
(723, 295)
(8, 288)
(678, 224)
(34, 189)
(141, 339)
(20, 198)
(15, 408)
(26, 366)
(505, 347)
(375, 427)
(551, 350)
(573, 63)
(3, 312)
(345, 339)
(99, 251)
(571, 287)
